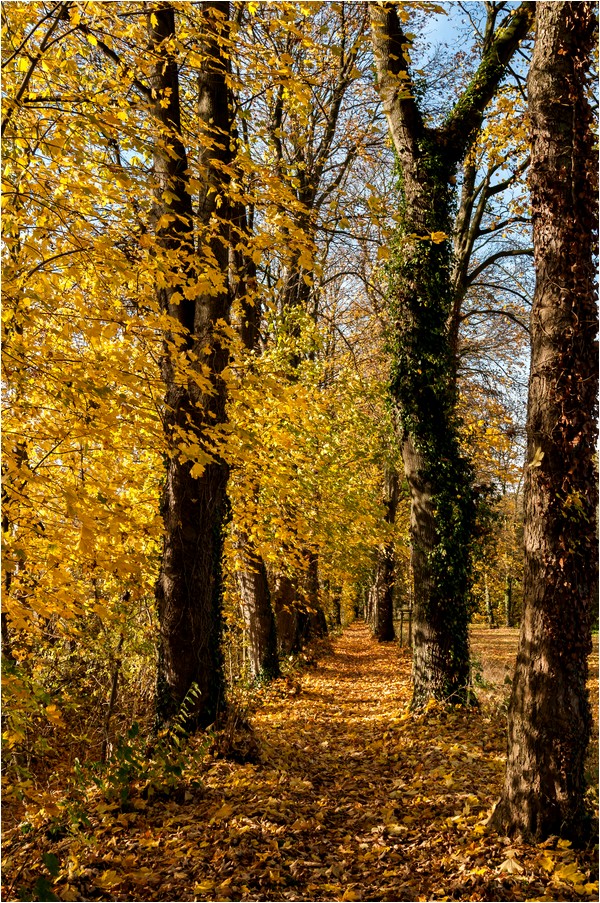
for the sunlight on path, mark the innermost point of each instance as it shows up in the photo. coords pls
(351, 798)
(331, 776)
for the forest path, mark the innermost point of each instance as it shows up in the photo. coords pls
(351, 798)
(309, 820)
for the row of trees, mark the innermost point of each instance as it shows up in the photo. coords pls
(198, 278)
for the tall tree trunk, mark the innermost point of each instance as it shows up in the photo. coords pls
(336, 608)
(383, 599)
(194, 504)
(259, 620)
(489, 610)
(549, 715)
(287, 614)
(423, 381)
(316, 623)
(508, 601)
(257, 610)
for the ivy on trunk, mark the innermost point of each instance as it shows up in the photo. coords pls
(423, 378)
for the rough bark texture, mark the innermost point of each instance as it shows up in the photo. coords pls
(189, 586)
(257, 613)
(423, 382)
(549, 716)
(316, 625)
(288, 614)
(383, 598)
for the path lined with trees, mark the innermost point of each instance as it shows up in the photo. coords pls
(346, 796)
(268, 286)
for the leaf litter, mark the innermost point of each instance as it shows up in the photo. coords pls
(349, 797)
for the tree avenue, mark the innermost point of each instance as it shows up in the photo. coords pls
(269, 293)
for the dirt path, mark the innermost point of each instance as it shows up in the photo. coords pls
(351, 799)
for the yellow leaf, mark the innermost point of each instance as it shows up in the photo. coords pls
(537, 459)
(53, 714)
(92, 39)
(108, 879)
(546, 862)
(224, 812)
(510, 866)
(570, 873)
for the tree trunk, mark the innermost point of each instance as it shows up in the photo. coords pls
(383, 599)
(258, 616)
(423, 380)
(489, 610)
(257, 611)
(549, 715)
(194, 504)
(370, 606)
(316, 623)
(336, 609)
(508, 601)
(287, 614)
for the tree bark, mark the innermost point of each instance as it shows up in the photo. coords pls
(287, 614)
(383, 597)
(549, 716)
(489, 609)
(257, 611)
(316, 623)
(259, 620)
(423, 380)
(194, 505)
(336, 609)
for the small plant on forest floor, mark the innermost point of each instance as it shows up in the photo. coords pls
(233, 736)
(477, 678)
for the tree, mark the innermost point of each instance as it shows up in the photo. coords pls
(293, 98)
(196, 297)
(549, 715)
(383, 590)
(423, 382)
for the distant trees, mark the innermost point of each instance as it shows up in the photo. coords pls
(549, 715)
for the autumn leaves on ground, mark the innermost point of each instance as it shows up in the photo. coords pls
(336, 792)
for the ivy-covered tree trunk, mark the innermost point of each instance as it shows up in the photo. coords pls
(194, 503)
(549, 716)
(423, 379)
(383, 596)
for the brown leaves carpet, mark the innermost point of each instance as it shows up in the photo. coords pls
(351, 798)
